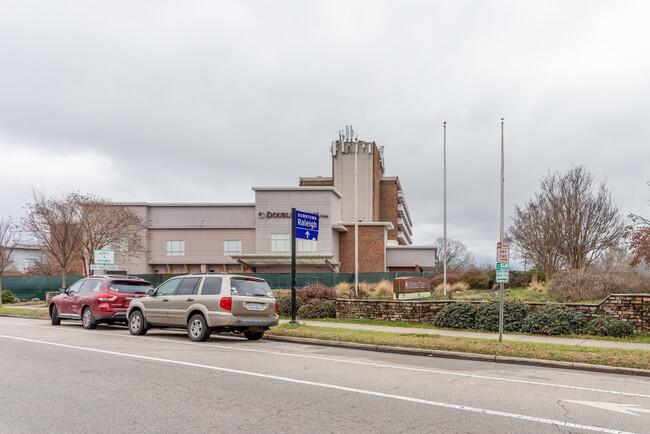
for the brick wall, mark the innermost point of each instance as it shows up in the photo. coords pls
(633, 308)
(388, 205)
(371, 249)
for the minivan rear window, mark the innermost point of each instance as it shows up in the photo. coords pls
(254, 288)
(129, 287)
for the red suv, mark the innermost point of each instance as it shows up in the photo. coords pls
(97, 299)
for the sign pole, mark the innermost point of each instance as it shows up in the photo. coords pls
(293, 265)
(501, 241)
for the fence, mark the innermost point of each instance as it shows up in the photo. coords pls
(28, 287)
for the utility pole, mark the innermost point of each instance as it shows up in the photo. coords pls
(444, 209)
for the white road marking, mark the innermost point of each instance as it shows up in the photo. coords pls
(612, 406)
(334, 387)
(354, 362)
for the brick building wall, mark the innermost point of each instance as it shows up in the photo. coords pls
(632, 308)
(388, 205)
(371, 249)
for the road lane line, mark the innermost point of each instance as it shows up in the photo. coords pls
(333, 387)
(375, 365)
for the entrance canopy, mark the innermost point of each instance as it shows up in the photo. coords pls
(253, 260)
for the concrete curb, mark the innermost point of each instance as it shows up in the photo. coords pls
(466, 356)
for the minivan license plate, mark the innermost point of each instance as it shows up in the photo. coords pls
(254, 306)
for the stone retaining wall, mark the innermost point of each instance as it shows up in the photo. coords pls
(633, 308)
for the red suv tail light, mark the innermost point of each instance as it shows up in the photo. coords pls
(226, 303)
(276, 307)
(106, 297)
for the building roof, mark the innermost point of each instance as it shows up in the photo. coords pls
(324, 188)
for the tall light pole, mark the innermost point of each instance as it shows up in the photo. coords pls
(501, 240)
(356, 218)
(444, 208)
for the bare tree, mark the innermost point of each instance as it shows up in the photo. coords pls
(458, 257)
(637, 236)
(8, 237)
(530, 235)
(570, 222)
(105, 224)
(55, 224)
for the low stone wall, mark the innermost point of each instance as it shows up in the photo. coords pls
(633, 308)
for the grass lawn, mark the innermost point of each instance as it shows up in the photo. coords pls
(597, 356)
(644, 338)
(24, 312)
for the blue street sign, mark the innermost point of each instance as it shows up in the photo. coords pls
(306, 226)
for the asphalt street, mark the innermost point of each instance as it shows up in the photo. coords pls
(65, 378)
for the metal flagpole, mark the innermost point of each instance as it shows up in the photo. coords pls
(444, 207)
(501, 241)
(356, 220)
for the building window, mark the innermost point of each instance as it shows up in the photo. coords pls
(175, 247)
(231, 247)
(305, 245)
(280, 242)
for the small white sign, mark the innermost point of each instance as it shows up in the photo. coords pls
(104, 267)
(503, 272)
(503, 252)
(104, 257)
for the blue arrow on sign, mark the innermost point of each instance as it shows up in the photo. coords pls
(306, 225)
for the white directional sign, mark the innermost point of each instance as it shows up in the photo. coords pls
(104, 267)
(104, 257)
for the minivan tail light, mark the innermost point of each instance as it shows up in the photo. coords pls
(106, 297)
(226, 303)
(276, 307)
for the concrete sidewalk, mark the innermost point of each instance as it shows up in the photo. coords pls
(480, 335)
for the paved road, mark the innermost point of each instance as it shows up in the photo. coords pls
(65, 378)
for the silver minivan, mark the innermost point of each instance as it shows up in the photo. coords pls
(204, 303)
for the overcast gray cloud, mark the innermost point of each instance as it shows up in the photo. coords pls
(199, 101)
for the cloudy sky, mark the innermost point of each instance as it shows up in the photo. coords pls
(177, 101)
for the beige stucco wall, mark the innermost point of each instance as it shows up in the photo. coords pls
(325, 201)
(343, 173)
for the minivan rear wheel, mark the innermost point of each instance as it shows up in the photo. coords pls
(197, 328)
(87, 319)
(253, 336)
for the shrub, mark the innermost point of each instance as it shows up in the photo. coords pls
(316, 290)
(536, 285)
(317, 308)
(383, 288)
(554, 320)
(284, 305)
(514, 312)
(608, 326)
(476, 279)
(439, 278)
(344, 290)
(7, 296)
(519, 279)
(456, 287)
(456, 315)
(584, 285)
